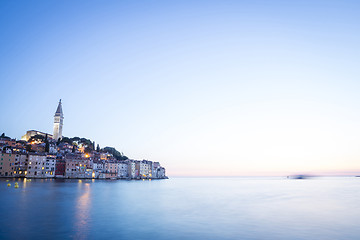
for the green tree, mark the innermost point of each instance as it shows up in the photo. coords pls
(66, 140)
(28, 148)
(115, 153)
(47, 146)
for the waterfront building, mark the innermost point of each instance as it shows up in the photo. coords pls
(131, 168)
(156, 166)
(137, 169)
(98, 168)
(75, 168)
(161, 172)
(36, 165)
(50, 165)
(60, 168)
(78, 167)
(110, 170)
(58, 122)
(144, 169)
(122, 169)
(21, 164)
(150, 171)
(7, 164)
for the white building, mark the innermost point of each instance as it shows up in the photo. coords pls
(122, 170)
(145, 169)
(50, 163)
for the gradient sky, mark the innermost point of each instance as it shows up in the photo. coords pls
(205, 87)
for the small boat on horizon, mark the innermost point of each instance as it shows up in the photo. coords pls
(301, 176)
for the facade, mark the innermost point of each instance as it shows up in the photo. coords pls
(137, 169)
(36, 166)
(7, 164)
(144, 169)
(21, 164)
(50, 164)
(78, 167)
(122, 169)
(60, 168)
(156, 166)
(161, 172)
(110, 170)
(98, 168)
(58, 122)
(40, 165)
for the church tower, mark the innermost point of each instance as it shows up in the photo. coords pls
(58, 122)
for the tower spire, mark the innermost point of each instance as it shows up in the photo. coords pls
(58, 122)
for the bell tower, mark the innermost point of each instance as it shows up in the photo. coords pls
(58, 122)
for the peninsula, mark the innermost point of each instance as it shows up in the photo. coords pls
(43, 155)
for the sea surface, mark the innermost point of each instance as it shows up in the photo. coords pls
(181, 208)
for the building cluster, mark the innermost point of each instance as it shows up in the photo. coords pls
(63, 162)
(41, 155)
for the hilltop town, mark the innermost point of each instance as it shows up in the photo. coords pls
(43, 155)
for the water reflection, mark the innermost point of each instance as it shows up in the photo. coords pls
(82, 213)
(182, 208)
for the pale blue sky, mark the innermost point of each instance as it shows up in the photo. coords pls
(204, 87)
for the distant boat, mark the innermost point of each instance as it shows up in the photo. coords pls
(357, 176)
(299, 176)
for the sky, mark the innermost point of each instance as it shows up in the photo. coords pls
(207, 88)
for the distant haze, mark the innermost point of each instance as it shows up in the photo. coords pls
(207, 88)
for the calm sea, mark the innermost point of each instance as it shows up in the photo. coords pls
(181, 208)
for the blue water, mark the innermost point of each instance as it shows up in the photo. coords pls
(182, 208)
